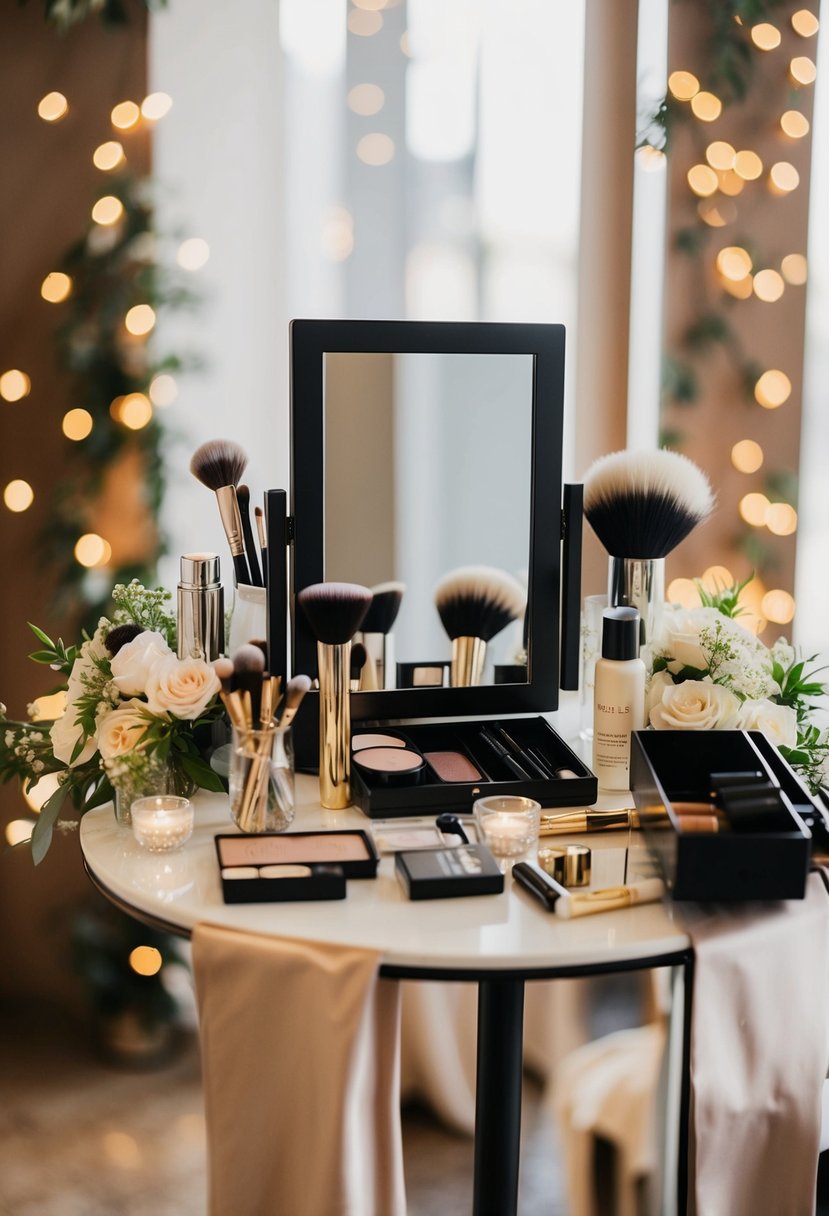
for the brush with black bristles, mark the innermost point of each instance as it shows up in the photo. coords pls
(334, 612)
(248, 673)
(375, 634)
(219, 465)
(243, 498)
(475, 603)
(641, 504)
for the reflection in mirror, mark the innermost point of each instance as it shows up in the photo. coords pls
(428, 470)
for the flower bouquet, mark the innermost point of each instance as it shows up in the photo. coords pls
(135, 715)
(707, 672)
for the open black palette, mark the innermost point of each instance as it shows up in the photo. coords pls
(746, 837)
(273, 868)
(445, 766)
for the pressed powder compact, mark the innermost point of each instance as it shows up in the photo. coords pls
(293, 866)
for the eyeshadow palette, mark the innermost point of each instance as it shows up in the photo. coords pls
(281, 883)
(469, 869)
(446, 766)
(271, 866)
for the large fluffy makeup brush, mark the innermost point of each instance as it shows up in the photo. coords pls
(641, 504)
(474, 603)
(375, 634)
(335, 612)
(243, 498)
(219, 465)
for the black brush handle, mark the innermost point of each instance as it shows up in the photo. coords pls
(251, 547)
(276, 530)
(571, 585)
(240, 568)
(264, 554)
(512, 764)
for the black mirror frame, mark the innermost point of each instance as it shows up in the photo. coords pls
(310, 340)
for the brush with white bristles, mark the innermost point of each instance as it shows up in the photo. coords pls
(641, 505)
(219, 465)
(475, 603)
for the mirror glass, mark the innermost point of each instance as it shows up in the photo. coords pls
(428, 470)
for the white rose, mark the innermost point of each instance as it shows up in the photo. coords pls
(695, 705)
(132, 665)
(65, 734)
(659, 682)
(122, 730)
(84, 668)
(183, 687)
(777, 722)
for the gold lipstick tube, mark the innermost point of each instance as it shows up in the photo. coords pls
(335, 725)
(468, 656)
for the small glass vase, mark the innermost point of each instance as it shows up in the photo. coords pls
(262, 779)
(130, 781)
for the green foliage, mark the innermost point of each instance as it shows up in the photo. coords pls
(724, 599)
(63, 14)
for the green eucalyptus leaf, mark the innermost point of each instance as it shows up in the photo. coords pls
(46, 820)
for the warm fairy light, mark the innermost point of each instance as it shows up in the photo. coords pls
(77, 424)
(52, 107)
(108, 210)
(794, 124)
(783, 178)
(778, 606)
(768, 286)
(109, 155)
(803, 70)
(139, 320)
(650, 159)
(747, 165)
(156, 105)
(375, 149)
(750, 600)
(734, 262)
(805, 23)
(42, 792)
(371, 5)
(730, 183)
(720, 155)
(366, 99)
(781, 519)
(134, 411)
(193, 253)
(125, 115)
(703, 180)
(163, 390)
(683, 85)
(716, 214)
(48, 707)
(338, 233)
(19, 830)
(706, 107)
(795, 269)
(14, 385)
(740, 289)
(765, 37)
(18, 495)
(146, 960)
(773, 389)
(55, 287)
(716, 578)
(364, 23)
(405, 44)
(683, 591)
(122, 1150)
(753, 509)
(92, 550)
(747, 456)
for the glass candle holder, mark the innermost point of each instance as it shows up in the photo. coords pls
(262, 779)
(508, 824)
(162, 822)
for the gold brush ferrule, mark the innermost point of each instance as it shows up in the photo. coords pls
(468, 656)
(231, 519)
(335, 725)
(574, 822)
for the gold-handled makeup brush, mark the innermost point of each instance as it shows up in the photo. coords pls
(474, 604)
(259, 516)
(231, 700)
(375, 634)
(248, 672)
(335, 612)
(243, 498)
(219, 465)
(641, 504)
(295, 691)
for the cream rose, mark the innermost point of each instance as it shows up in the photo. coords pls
(695, 705)
(659, 682)
(183, 687)
(132, 665)
(777, 722)
(122, 730)
(65, 733)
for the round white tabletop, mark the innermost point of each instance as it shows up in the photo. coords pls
(492, 933)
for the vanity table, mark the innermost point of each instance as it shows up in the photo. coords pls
(497, 942)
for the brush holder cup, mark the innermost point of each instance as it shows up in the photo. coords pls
(248, 617)
(262, 779)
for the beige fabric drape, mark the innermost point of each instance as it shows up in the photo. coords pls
(300, 1060)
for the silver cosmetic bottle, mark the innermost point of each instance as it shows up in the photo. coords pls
(200, 608)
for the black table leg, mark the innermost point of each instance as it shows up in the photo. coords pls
(498, 1096)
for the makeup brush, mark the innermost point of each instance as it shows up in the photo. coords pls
(356, 665)
(334, 612)
(375, 633)
(295, 691)
(259, 515)
(641, 504)
(248, 671)
(230, 699)
(243, 498)
(219, 464)
(474, 604)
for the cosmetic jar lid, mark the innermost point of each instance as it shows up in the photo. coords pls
(199, 569)
(620, 634)
(577, 866)
(390, 765)
(554, 863)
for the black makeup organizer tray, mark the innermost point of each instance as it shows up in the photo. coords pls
(536, 747)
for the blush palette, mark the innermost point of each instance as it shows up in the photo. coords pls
(271, 868)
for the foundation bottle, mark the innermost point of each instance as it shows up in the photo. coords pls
(619, 697)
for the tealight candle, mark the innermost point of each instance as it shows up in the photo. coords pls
(162, 822)
(509, 824)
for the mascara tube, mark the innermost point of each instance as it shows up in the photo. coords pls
(200, 608)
